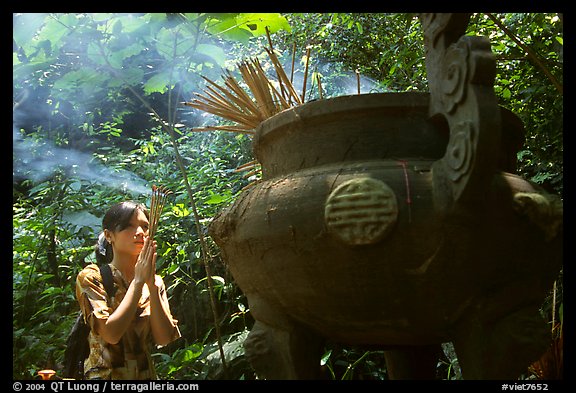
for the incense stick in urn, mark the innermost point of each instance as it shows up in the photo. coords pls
(159, 197)
(268, 97)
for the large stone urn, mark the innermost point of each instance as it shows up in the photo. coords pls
(394, 220)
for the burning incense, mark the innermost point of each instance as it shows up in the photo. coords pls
(268, 36)
(358, 80)
(319, 85)
(293, 58)
(263, 99)
(233, 103)
(159, 197)
(305, 72)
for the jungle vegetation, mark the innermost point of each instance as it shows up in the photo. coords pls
(98, 119)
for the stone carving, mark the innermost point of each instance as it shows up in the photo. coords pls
(339, 242)
(466, 100)
(459, 153)
(361, 211)
(455, 72)
(543, 210)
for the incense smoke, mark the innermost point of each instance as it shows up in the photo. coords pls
(38, 160)
(39, 167)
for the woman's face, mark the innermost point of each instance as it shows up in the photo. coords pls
(130, 240)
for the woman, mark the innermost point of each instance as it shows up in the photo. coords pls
(124, 328)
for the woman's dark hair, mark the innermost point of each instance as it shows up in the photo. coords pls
(117, 218)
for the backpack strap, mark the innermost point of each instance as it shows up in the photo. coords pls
(107, 280)
(77, 345)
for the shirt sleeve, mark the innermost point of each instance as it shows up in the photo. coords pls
(91, 295)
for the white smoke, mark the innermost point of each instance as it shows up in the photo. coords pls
(38, 160)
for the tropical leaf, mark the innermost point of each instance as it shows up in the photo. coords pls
(241, 27)
(158, 83)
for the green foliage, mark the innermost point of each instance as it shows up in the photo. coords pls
(386, 49)
(242, 27)
(202, 361)
(98, 119)
(525, 84)
(339, 363)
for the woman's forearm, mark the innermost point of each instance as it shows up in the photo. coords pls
(112, 329)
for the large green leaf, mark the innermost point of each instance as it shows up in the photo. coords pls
(257, 23)
(26, 26)
(225, 26)
(158, 83)
(241, 27)
(117, 57)
(84, 79)
(130, 76)
(214, 52)
(172, 44)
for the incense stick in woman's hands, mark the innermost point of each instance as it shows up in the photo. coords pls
(159, 197)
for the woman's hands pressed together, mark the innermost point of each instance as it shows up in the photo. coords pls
(145, 268)
(144, 273)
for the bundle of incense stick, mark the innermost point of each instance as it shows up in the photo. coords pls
(159, 197)
(235, 104)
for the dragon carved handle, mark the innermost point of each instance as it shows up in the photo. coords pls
(461, 71)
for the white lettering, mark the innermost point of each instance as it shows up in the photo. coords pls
(73, 386)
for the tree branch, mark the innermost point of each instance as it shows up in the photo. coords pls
(532, 56)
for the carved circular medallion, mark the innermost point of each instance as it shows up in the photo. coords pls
(361, 211)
